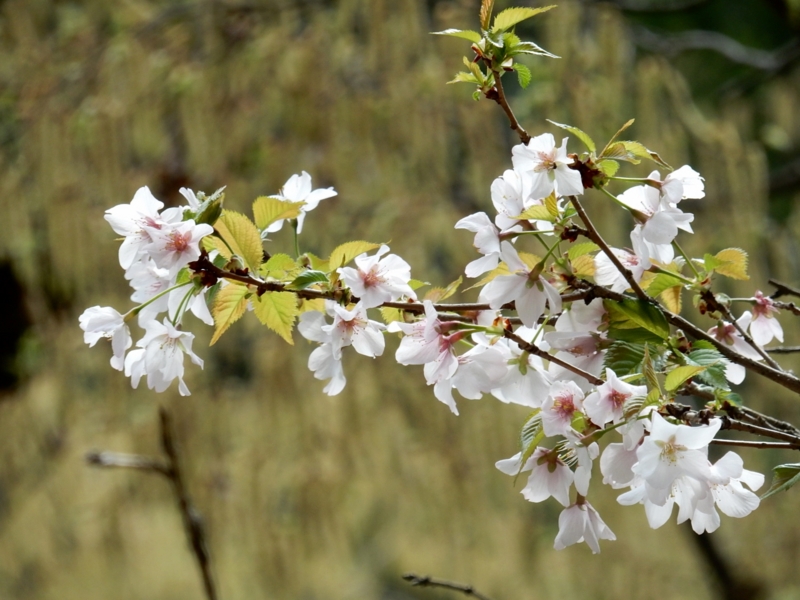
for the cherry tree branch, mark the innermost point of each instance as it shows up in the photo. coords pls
(425, 581)
(595, 236)
(524, 137)
(789, 306)
(534, 349)
(783, 289)
(192, 521)
(760, 445)
(783, 349)
(746, 337)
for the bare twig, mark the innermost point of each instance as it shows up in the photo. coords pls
(595, 236)
(783, 349)
(425, 581)
(782, 289)
(752, 416)
(534, 349)
(744, 444)
(728, 423)
(501, 99)
(170, 469)
(790, 306)
(746, 337)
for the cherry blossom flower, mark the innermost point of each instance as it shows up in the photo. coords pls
(160, 357)
(660, 220)
(378, 280)
(479, 371)
(564, 400)
(525, 287)
(672, 451)
(608, 401)
(508, 200)
(352, 327)
(137, 221)
(298, 189)
(550, 476)
(581, 523)
(526, 382)
(176, 246)
(728, 334)
(105, 322)
(764, 325)
(616, 464)
(545, 168)
(607, 274)
(487, 242)
(323, 361)
(683, 183)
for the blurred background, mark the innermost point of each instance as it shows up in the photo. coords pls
(306, 496)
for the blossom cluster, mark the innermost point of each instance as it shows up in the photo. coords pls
(540, 336)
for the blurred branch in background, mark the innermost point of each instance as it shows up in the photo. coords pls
(425, 581)
(170, 468)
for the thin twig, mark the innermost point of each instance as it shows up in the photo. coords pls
(783, 349)
(746, 337)
(501, 99)
(425, 581)
(170, 469)
(595, 236)
(744, 413)
(728, 423)
(782, 289)
(790, 306)
(534, 349)
(744, 444)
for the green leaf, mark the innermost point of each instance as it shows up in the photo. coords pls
(230, 304)
(486, 13)
(581, 249)
(643, 314)
(649, 371)
(317, 263)
(212, 242)
(511, 16)
(616, 135)
(584, 266)
(678, 376)
(624, 358)
(632, 152)
(464, 77)
(538, 212)
(531, 436)
(671, 297)
(529, 48)
(415, 284)
(242, 237)
(704, 354)
(582, 136)
(391, 314)
(523, 75)
(661, 282)
(268, 209)
(308, 278)
(551, 204)
(472, 36)
(653, 397)
(438, 294)
(277, 310)
(343, 254)
(784, 477)
(608, 167)
(734, 263)
(278, 266)
(711, 262)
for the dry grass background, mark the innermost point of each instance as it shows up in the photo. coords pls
(307, 496)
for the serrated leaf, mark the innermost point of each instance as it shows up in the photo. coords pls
(537, 212)
(608, 167)
(551, 203)
(581, 249)
(627, 151)
(391, 314)
(511, 16)
(278, 266)
(184, 276)
(415, 284)
(307, 279)
(644, 315)
(581, 135)
(277, 310)
(678, 376)
(622, 327)
(784, 477)
(464, 77)
(529, 48)
(438, 294)
(704, 354)
(472, 36)
(657, 159)
(530, 260)
(311, 304)
(268, 209)
(523, 75)
(584, 266)
(317, 263)
(486, 13)
(710, 262)
(212, 242)
(653, 397)
(346, 252)
(671, 297)
(734, 263)
(229, 305)
(624, 358)
(531, 435)
(616, 135)
(242, 237)
(502, 269)
(661, 282)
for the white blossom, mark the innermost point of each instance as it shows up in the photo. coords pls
(545, 168)
(378, 280)
(581, 523)
(298, 189)
(105, 322)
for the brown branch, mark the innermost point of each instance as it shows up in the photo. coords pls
(533, 349)
(501, 99)
(743, 413)
(782, 289)
(746, 337)
(760, 445)
(790, 306)
(728, 423)
(425, 581)
(170, 469)
(595, 236)
(783, 349)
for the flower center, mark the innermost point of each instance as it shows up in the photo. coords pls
(564, 406)
(179, 242)
(372, 278)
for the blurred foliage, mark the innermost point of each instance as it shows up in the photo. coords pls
(306, 496)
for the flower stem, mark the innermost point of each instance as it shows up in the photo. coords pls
(688, 260)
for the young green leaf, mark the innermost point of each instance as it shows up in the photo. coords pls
(486, 13)
(551, 204)
(212, 242)
(644, 315)
(464, 77)
(784, 477)
(346, 252)
(229, 306)
(438, 294)
(472, 36)
(624, 358)
(537, 212)
(529, 48)
(267, 210)
(733, 263)
(616, 135)
(582, 136)
(391, 314)
(277, 310)
(307, 279)
(278, 266)
(678, 376)
(661, 282)
(511, 16)
(581, 249)
(523, 75)
(608, 167)
(242, 237)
